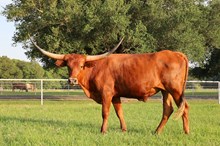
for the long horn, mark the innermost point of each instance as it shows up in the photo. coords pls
(51, 55)
(97, 57)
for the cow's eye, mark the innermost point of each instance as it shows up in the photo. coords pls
(81, 66)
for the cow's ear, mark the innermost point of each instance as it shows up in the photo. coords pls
(60, 63)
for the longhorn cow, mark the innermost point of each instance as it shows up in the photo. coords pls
(107, 77)
(23, 86)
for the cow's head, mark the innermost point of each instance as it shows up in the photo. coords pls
(74, 62)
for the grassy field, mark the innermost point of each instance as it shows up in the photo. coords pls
(78, 123)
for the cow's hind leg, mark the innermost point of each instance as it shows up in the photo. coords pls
(183, 110)
(167, 111)
(118, 109)
(185, 118)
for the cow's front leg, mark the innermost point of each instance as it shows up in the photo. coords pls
(106, 103)
(118, 109)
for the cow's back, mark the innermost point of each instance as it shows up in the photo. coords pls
(138, 75)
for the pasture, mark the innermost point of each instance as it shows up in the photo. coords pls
(26, 122)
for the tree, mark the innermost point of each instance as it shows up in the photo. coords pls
(17, 69)
(173, 23)
(211, 32)
(68, 26)
(30, 70)
(212, 29)
(8, 69)
(211, 70)
(92, 27)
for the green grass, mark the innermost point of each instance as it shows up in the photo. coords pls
(201, 92)
(66, 123)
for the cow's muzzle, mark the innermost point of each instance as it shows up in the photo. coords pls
(73, 81)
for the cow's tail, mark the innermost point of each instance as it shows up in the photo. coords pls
(183, 103)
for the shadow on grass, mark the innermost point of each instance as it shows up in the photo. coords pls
(81, 125)
(50, 122)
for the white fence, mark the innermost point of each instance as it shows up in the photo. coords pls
(60, 89)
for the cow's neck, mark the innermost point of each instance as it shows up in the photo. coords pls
(83, 80)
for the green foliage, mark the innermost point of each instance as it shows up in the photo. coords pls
(211, 70)
(212, 30)
(8, 69)
(93, 27)
(78, 123)
(17, 69)
(30, 70)
(172, 23)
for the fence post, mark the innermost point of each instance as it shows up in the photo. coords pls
(218, 92)
(41, 92)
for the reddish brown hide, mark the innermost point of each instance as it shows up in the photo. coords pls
(133, 76)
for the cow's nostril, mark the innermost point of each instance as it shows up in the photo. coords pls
(72, 81)
(69, 81)
(75, 81)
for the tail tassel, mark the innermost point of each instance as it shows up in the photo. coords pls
(180, 111)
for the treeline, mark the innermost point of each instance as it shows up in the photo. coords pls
(17, 69)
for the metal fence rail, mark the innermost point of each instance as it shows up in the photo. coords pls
(54, 88)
